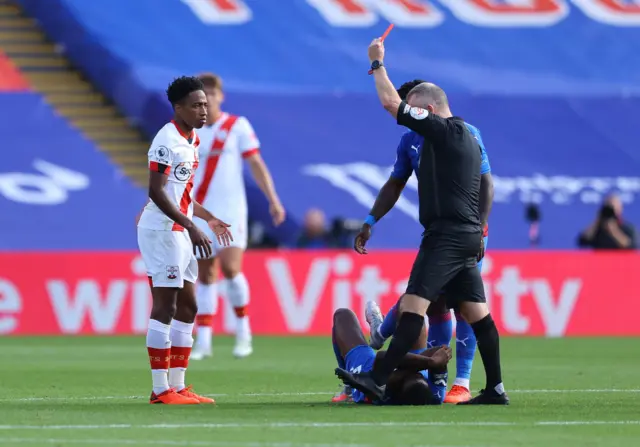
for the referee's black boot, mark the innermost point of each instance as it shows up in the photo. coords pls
(363, 382)
(488, 397)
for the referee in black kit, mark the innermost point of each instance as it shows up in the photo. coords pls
(449, 196)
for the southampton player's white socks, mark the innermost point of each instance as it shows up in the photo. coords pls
(181, 342)
(238, 293)
(207, 300)
(159, 349)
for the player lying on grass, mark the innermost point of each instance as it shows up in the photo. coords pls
(419, 380)
(440, 324)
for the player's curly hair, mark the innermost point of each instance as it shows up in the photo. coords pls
(405, 88)
(181, 87)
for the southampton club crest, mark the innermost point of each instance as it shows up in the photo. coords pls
(172, 271)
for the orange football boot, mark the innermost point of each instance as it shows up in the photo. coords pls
(187, 392)
(344, 395)
(457, 394)
(170, 397)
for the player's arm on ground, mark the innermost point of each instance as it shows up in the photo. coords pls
(392, 189)
(419, 362)
(160, 158)
(250, 148)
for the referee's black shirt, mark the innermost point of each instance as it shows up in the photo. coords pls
(448, 171)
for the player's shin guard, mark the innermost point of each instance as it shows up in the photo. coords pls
(489, 347)
(465, 351)
(207, 299)
(405, 335)
(181, 342)
(238, 294)
(440, 330)
(388, 325)
(159, 349)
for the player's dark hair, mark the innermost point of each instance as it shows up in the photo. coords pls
(405, 88)
(416, 392)
(182, 87)
(210, 80)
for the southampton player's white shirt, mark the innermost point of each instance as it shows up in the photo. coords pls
(219, 184)
(176, 155)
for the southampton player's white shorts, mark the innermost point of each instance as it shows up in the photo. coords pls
(238, 231)
(168, 256)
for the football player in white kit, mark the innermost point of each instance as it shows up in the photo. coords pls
(168, 240)
(227, 141)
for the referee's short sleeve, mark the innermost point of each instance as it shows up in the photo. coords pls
(421, 121)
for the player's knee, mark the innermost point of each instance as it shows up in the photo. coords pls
(413, 304)
(343, 314)
(186, 311)
(207, 273)
(163, 310)
(230, 271)
(473, 312)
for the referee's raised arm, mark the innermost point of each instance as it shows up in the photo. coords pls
(426, 118)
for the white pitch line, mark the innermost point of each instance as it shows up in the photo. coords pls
(135, 442)
(314, 393)
(277, 425)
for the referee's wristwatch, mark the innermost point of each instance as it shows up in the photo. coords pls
(375, 65)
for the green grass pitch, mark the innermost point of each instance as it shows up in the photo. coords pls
(94, 392)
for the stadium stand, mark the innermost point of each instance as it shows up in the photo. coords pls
(322, 130)
(58, 190)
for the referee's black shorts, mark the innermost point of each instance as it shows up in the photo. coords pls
(447, 264)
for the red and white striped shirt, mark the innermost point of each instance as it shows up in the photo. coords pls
(219, 184)
(176, 155)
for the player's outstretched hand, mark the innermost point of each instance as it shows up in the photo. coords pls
(441, 357)
(277, 212)
(200, 242)
(221, 231)
(481, 252)
(361, 239)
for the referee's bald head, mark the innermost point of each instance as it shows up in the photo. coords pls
(429, 96)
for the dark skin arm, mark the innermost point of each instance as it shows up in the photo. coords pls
(486, 202)
(157, 194)
(387, 198)
(486, 197)
(430, 359)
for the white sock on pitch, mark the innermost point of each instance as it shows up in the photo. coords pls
(238, 294)
(181, 343)
(159, 349)
(207, 300)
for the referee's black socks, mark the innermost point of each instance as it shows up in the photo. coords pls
(488, 339)
(406, 334)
